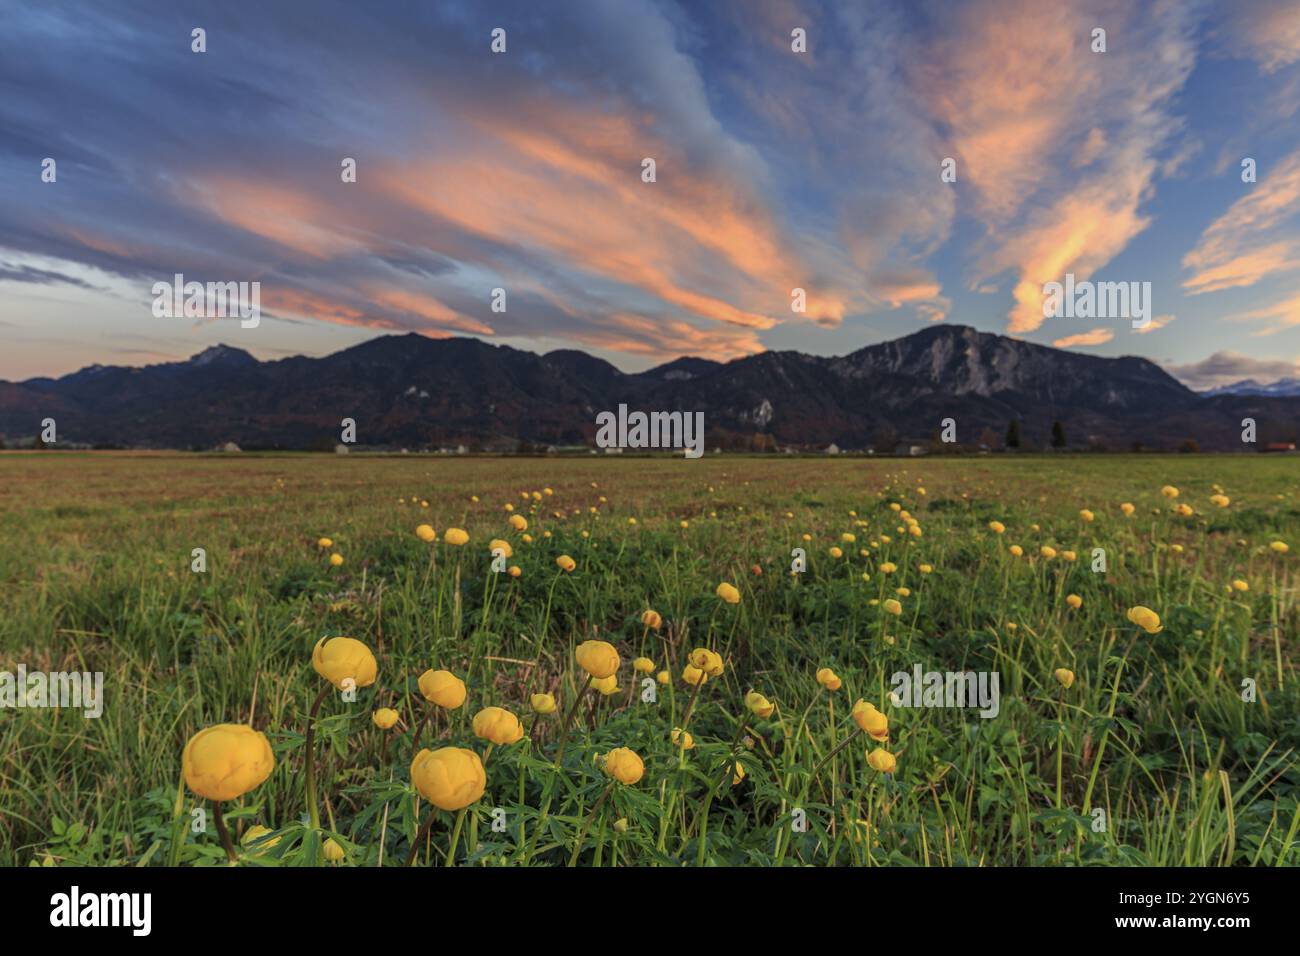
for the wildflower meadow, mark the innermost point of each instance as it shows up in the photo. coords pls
(361, 661)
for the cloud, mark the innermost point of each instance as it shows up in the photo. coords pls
(1059, 145)
(1283, 314)
(1091, 337)
(1157, 322)
(1228, 368)
(1245, 244)
(1267, 31)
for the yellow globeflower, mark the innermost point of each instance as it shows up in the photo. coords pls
(597, 658)
(759, 705)
(1145, 618)
(871, 721)
(828, 679)
(226, 761)
(1074, 601)
(384, 717)
(1016, 550)
(325, 543)
(1221, 501)
(1069, 555)
(1240, 585)
(502, 545)
(882, 760)
(451, 778)
(683, 739)
(456, 536)
(336, 560)
(892, 606)
(344, 662)
(693, 675)
(1280, 547)
(333, 852)
(624, 765)
(738, 774)
(514, 570)
(997, 527)
(1047, 551)
(664, 677)
(888, 567)
(708, 661)
(1064, 676)
(442, 688)
(1086, 515)
(1128, 509)
(426, 533)
(605, 685)
(728, 593)
(497, 725)
(542, 703)
(651, 619)
(643, 665)
(1169, 491)
(925, 568)
(566, 563)
(519, 522)
(836, 552)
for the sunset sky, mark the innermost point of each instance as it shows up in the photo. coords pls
(775, 169)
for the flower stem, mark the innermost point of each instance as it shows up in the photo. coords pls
(313, 811)
(222, 831)
(591, 817)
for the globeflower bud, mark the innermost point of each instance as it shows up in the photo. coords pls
(442, 688)
(882, 760)
(728, 593)
(597, 658)
(759, 705)
(708, 661)
(566, 563)
(871, 721)
(451, 778)
(624, 765)
(1145, 618)
(1064, 676)
(384, 717)
(456, 537)
(497, 725)
(651, 619)
(828, 679)
(344, 662)
(542, 703)
(426, 533)
(225, 761)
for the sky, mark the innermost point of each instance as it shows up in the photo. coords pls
(775, 169)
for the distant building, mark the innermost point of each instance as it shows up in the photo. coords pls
(229, 446)
(1283, 446)
(340, 449)
(832, 449)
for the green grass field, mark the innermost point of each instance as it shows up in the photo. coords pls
(1158, 731)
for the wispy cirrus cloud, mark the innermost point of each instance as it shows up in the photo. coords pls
(1249, 242)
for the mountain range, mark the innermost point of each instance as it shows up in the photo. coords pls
(412, 391)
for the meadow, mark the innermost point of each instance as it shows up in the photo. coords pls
(1119, 739)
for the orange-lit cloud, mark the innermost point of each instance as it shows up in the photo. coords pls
(1091, 337)
(1244, 245)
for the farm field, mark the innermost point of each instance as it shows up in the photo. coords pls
(1113, 738)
